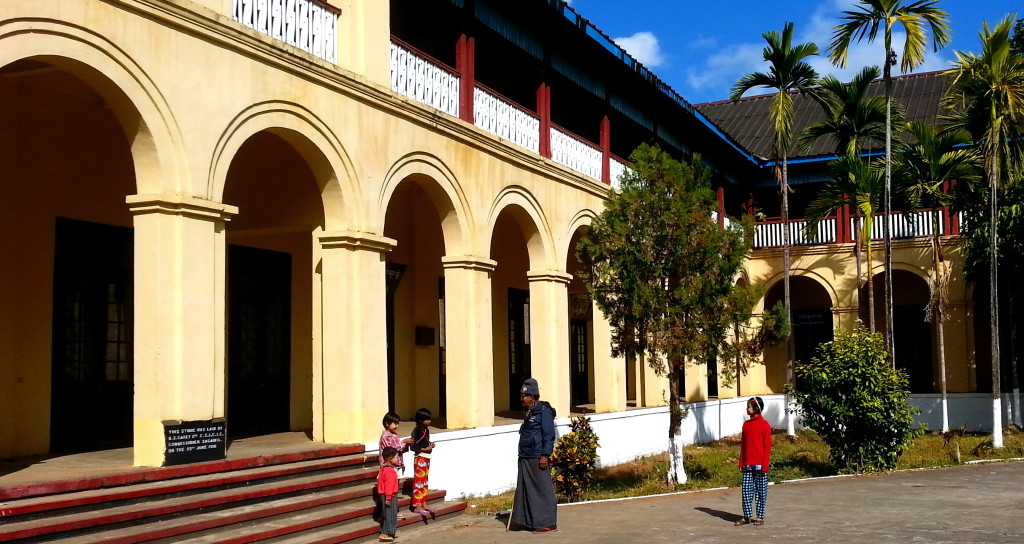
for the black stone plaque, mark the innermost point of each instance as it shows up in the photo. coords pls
(194, 441)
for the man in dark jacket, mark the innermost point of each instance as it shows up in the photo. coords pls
(534, 507)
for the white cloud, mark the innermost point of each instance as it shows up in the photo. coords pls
(703, 42)
(721, 69)
(644, 47)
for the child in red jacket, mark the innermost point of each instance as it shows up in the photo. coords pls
(755, 454)
(387, 488)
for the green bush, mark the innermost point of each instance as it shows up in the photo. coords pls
(851, 396)
(574, 459)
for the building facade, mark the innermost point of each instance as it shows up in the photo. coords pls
(300, 214)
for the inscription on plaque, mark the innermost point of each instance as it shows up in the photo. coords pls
(194, 441)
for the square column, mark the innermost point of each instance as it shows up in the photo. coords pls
(470, 358)
(609, 372)
(350, 387)
(549, 336)
(179, 306)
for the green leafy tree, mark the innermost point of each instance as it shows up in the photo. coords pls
(574, 459)
(857, 402)
(788, 72)
(865, 21)
(926, 166)
(1017, 43)
(987, 99)
(664, 273)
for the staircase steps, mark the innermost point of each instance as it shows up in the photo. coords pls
(320, 496)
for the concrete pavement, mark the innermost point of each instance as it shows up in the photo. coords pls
(975, 503)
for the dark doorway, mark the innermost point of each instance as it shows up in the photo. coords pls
(712, 378)
(259, 340)
(518, 343)
(393, 273)
(811, 328)
(913, 345)
(579, 358)
(442, 378)
(91, 397)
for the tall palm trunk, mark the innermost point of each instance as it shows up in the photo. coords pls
(890, 59)
(993, 306)
(938, 313)
(790, 340)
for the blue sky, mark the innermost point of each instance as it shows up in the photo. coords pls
(701, 48)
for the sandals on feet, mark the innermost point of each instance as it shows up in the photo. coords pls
(741, 521)
(543, 530)
(757, 521)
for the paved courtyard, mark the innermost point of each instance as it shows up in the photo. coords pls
(976, 503)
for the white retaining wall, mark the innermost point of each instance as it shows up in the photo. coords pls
(483, 461)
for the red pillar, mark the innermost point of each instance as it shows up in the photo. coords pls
(606, 150)
(544, 113)
(465, 61)
(843, 224)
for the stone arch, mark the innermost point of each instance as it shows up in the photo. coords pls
(312, 139)
(583, 218)
(810, 274)
(444, 191)
(156, 146)
(528, 214)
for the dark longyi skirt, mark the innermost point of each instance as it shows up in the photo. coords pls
(534, 506)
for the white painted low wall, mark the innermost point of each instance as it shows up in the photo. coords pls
(483, 461)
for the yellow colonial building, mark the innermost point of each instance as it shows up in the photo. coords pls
(257, 216)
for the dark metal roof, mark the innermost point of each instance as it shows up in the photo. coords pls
(748, 122)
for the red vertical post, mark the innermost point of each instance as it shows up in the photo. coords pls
(720, 196)
(544, 113)
(843, 224)
(606, 150)
(465, 61)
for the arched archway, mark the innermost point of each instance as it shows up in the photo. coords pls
(581, 332)
(912, 334)
(68, 160)
(276, 186)
(417, 357)
(524, 299)
(811, 309)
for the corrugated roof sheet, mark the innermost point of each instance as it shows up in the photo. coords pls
(748, 122)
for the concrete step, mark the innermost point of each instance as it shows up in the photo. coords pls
(104, 496)
(367, 530)
(130, 511)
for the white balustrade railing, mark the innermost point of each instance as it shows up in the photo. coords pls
(725, 221)
(506, 120)
(616, 169)
(770, 234)
(307, 25)
(574, 153)
(424, 81)
(905, 225)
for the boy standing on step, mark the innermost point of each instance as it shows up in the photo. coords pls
(387, 489)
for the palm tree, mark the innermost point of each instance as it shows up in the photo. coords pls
(788, 73)
(858, 183)
(926, 166)
(987, 98)
(865, 20)
(853, 120)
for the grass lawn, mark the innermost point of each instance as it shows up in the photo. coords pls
(715, 464)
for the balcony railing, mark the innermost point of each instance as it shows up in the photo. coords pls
(616, 169)
(506, 120)
(415, 76)
(571, 151)
(770, 233)
(913, 224)
(306, 24)
(426, 80)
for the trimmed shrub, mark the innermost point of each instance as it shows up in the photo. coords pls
(851, 396)
(574, 459)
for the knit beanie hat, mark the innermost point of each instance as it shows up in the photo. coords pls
(530, 387)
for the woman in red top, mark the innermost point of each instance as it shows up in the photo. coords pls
(755, 454)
